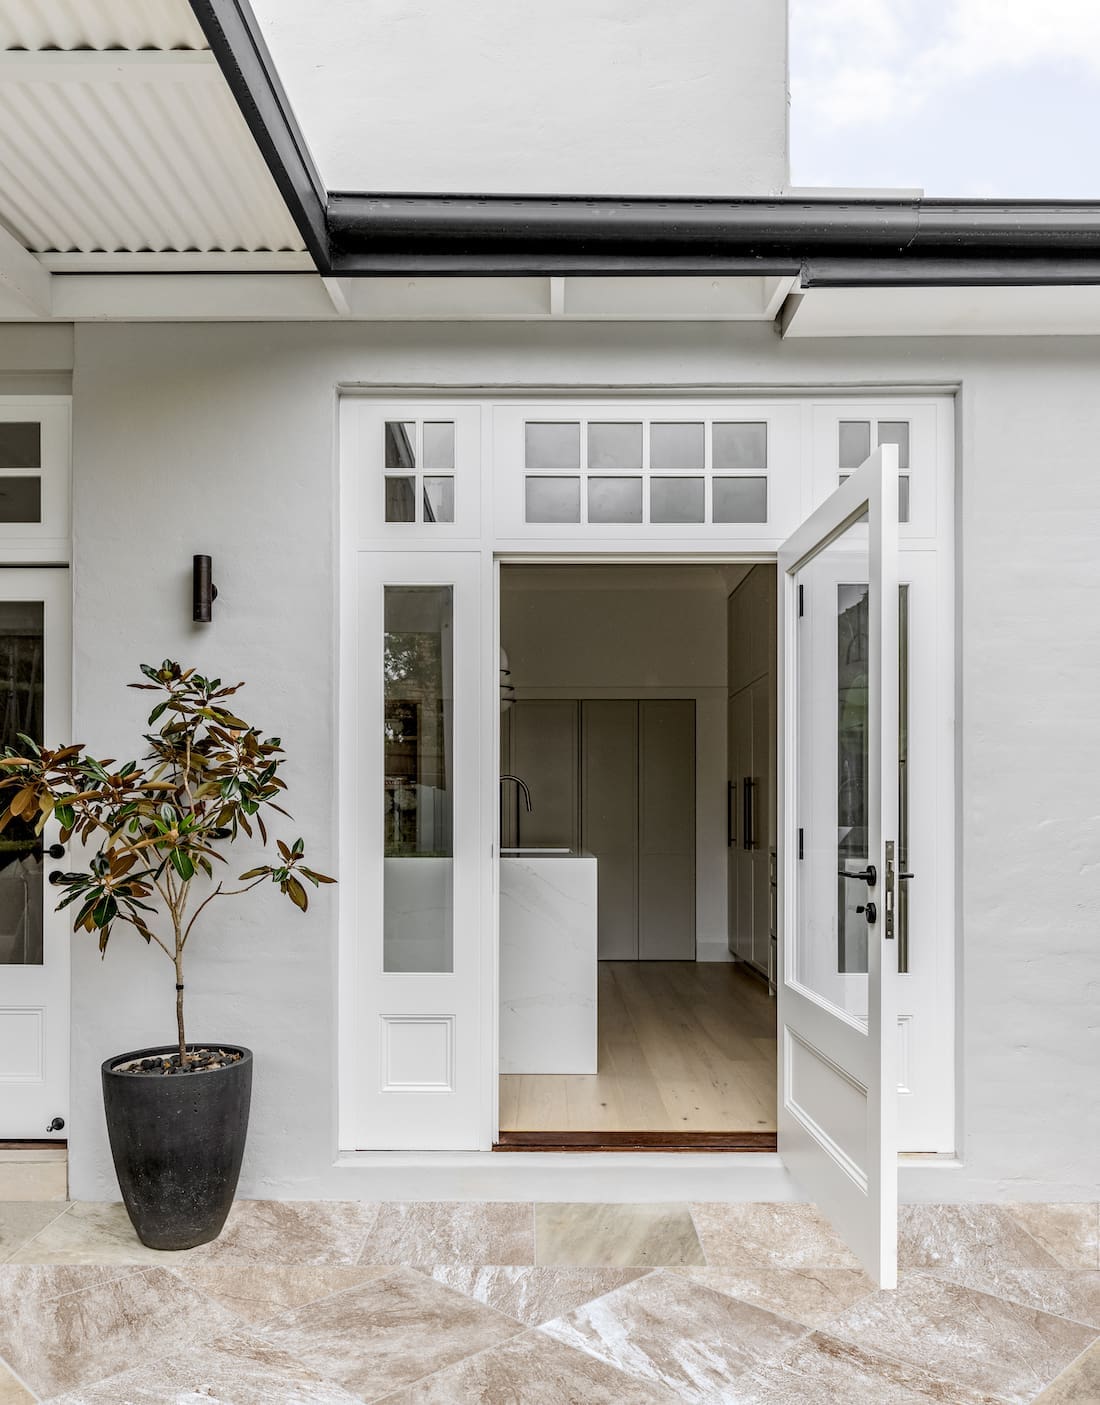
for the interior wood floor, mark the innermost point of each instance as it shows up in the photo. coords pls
(684, 1046)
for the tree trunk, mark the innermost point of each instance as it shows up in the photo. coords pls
(179, 1006)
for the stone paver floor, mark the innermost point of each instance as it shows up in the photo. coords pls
(333, 1303)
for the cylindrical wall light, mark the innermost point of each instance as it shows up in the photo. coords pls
(203, 591)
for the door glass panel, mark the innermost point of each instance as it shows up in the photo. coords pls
(552, 445)
(400, 499)
(674, 447)
(400, 444)
(439, 445)
(614, 500)
(21, 662)
(902, 900)
(676, 500)
(832, 760)
(439, 499)
(418, 799)
(20, 445)
(896, 432)
(740, 445)
(740, 499)
(20, 498)
(553, 500)
(615, 446)
(855, 442)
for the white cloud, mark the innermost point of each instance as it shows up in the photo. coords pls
(855, 61)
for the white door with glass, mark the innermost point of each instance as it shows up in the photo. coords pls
(422, 875)
(35, 702)
(837, 996)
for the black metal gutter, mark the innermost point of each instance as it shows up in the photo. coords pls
(824, 241)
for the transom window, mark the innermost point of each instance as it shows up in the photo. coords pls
(854, 439)
(420, 471)
(645, 471)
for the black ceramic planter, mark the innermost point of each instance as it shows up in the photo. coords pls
(177, 1142)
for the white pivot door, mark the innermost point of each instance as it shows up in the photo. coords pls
(418, 878)
(837, 991)
(35, 678)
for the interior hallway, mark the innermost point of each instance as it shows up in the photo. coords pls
(683, 1047)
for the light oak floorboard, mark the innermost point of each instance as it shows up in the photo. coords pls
(683, 1046)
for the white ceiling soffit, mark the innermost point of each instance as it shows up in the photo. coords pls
(938, 312)
(118, 134)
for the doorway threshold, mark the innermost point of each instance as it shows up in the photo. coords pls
(636, 1141)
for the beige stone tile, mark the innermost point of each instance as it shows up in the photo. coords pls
(669, 1331)
(33, 1178)
(291, 1232)
(812, 1296)
(769, 1235)
(533, 1295)
(65, 1343)
(22, 1220)
(389, 1332)
(235, 1369)
(615, 1236)
(1069, 1233)
(1078, 1384)
(92, 1232)
(824, 1371)
(983, 1342)
(21, 1282)
(432, 1232)
(257, 1292)
(971, 1236)
(531, 1370)
(1066, 1292)
(12, 1392)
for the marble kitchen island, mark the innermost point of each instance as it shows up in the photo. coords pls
(548, 961)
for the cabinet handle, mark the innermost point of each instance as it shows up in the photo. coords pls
(731, 814)
(748, 785)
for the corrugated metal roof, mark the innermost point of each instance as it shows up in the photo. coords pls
(99, 24)
(119, 133)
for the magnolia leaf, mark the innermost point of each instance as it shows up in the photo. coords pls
(296, 893)
(254, 873)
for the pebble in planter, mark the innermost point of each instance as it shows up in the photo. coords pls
(155, 829)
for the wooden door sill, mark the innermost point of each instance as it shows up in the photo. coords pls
(636, 1141)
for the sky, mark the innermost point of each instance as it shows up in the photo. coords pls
(955, 97)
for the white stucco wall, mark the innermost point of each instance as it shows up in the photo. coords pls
(517, 96)
(221, 439)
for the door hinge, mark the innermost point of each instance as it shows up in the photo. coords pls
(801, 601)
(801, 844)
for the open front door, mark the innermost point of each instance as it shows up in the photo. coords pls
(837, 993)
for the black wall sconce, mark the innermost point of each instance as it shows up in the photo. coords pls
(203, 591)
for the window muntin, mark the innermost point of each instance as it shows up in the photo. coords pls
(419, 462)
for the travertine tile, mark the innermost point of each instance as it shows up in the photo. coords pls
(19, 1283)
(430, 1233)
(615, 1236)
(11, 1391)
(534, 1295)
(389, 1332)
(1066, 1292)
(1078, 1384)
(771, 1235)
(821, 1370)
(291, 1232)
(91, 1232)
(531, 1370)
(981, 1341)
(813, 1296)
(966, 1236)
(667, 1330)
(64, 1343)
(20, 1221)
(1070, 1233)
(257, 1292)
(235, 1369)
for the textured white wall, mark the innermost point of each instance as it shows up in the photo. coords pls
(221, 439)
(615, 97)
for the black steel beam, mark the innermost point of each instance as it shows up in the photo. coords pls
(243, 57)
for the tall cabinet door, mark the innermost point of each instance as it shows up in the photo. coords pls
(759, 694)
(609, 782)
(544, 754)
(666, 839)
(741, 707)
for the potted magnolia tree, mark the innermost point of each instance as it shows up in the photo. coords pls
(156, 833)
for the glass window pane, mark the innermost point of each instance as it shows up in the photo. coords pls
(740, 500)
(615, 446)
(400, 445)
(418, 794)
(903, 497)
(740, 446)
(400, 499)
(855, 442)
(676, 500)
(438, 449)
(831, 756)
(552, 445)
(614, 500)
(20, 848)
(439, 499)
(674, 447)
(553, 500)
(20, 499)
(896, 432)
(20, 445)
